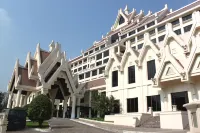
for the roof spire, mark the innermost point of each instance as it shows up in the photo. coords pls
(52, 46)
(126, 10)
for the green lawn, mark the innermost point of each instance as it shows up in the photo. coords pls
(31, 124)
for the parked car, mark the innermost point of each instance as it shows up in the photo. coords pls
(16, 119)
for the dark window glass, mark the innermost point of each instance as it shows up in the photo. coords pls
(71, 66)
(121, 20)
(187, 28)
(132, 40)
(140, 37)
(102, 46)
(96, 49)
(161, 38)
(85, 60)
(152, 32)
(154, 40)
(123, 36)
(91, 51)
(178, 32)
(151, 24)
(80, 68)
(154, 102)
(114, 78)
(75, 70)
(175, 22)
(106, 53)
(86, 54)
(132, 105)
(131, 74)
(87, 75)
(141, 28)
(80, 62)
(101, 70)
(187, 17)
(151, 69)
(94, 72)
(81, 76)
(161, 28)
(84, 67)
(134, 47)
(116, 107)
(114, 38)
(140, 46)
(98, 63)
(105, 61)
(82, 100)
(179, 99)
(132, 32)
(75, 64)
(99, 56)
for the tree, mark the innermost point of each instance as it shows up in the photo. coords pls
(40, 109)
(3, 100)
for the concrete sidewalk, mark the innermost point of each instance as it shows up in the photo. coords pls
(125, 129)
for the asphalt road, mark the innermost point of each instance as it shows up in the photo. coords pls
(65, 126)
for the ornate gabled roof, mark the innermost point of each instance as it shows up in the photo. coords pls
(43, 55)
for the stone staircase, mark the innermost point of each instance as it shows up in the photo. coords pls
(153, 122)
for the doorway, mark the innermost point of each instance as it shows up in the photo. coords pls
(179, 99)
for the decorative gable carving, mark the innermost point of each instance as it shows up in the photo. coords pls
(170, 71)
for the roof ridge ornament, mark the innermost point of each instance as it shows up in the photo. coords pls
(126, 10)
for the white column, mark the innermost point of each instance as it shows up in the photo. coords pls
(169, 99)
(65, 107)
(90, 99)
(25, 100)
(78, 108)
(9, 100)
(21, 100)
(57, 110)
(73, 107)
(18, 98)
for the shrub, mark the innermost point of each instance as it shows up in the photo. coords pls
(40, 109)
(26, 107)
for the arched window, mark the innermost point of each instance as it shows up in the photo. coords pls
(121, 20)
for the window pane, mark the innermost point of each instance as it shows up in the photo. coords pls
(132, 32)
(151, 69)
(161, 38)
(81, 76)
(178, 32)
(140, 37)
(141, 28)
(132, 105)
(175, 22)
(123, 36)
(121, 20)
(154, 40)
(103, 46)
(152, 32)
(154, 102)
(140, 46)
(101, 70)
(87, 75)
(106, 53)
(114, 78)
(187, 17)
(161, 28)
(105, 61)
(94, 72)
(151, 24)
(99, 56)
(131, 74)
(187, 28)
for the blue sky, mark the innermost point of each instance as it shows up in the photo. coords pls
(76, 24)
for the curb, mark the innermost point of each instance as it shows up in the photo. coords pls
(102, 122)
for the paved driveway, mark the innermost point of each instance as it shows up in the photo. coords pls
(65, 126)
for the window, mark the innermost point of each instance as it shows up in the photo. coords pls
(154, 102)
(152, 32)
(96, 49)
(81, 76)
(85, 54)
(134, 47)
(85, 60)
(178, 32)
(91, 51)
(75, 64)
(140, 36)
(82, 100)
(150, 24)
(94, 72)
(131, 74)
(154, 40)
(75, 70)
(180, 98)
(72, 66)
(140, 46)
(132, 105)
(106, 53)
(132, 40)
(84, 67)
(121, 20)
(161, 28)
(101, 70)
(132, 32)
(123, 36)
(103, 46)
(187, 28)
(114, 38)
(187, 17)
(161, 38)
(151, 69)
(99, 63)
(99, 56)
(105, 61)
(141, 28)
(80, 68)
(80, 62)
(87, 75)
(175, 22)
(114, 78)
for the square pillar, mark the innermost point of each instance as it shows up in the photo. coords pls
(18, 98)
(169, 99)
(21, 101)
(78, 107)
(73, 107)
(10, 96)
(65, 107)
(90, 99)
